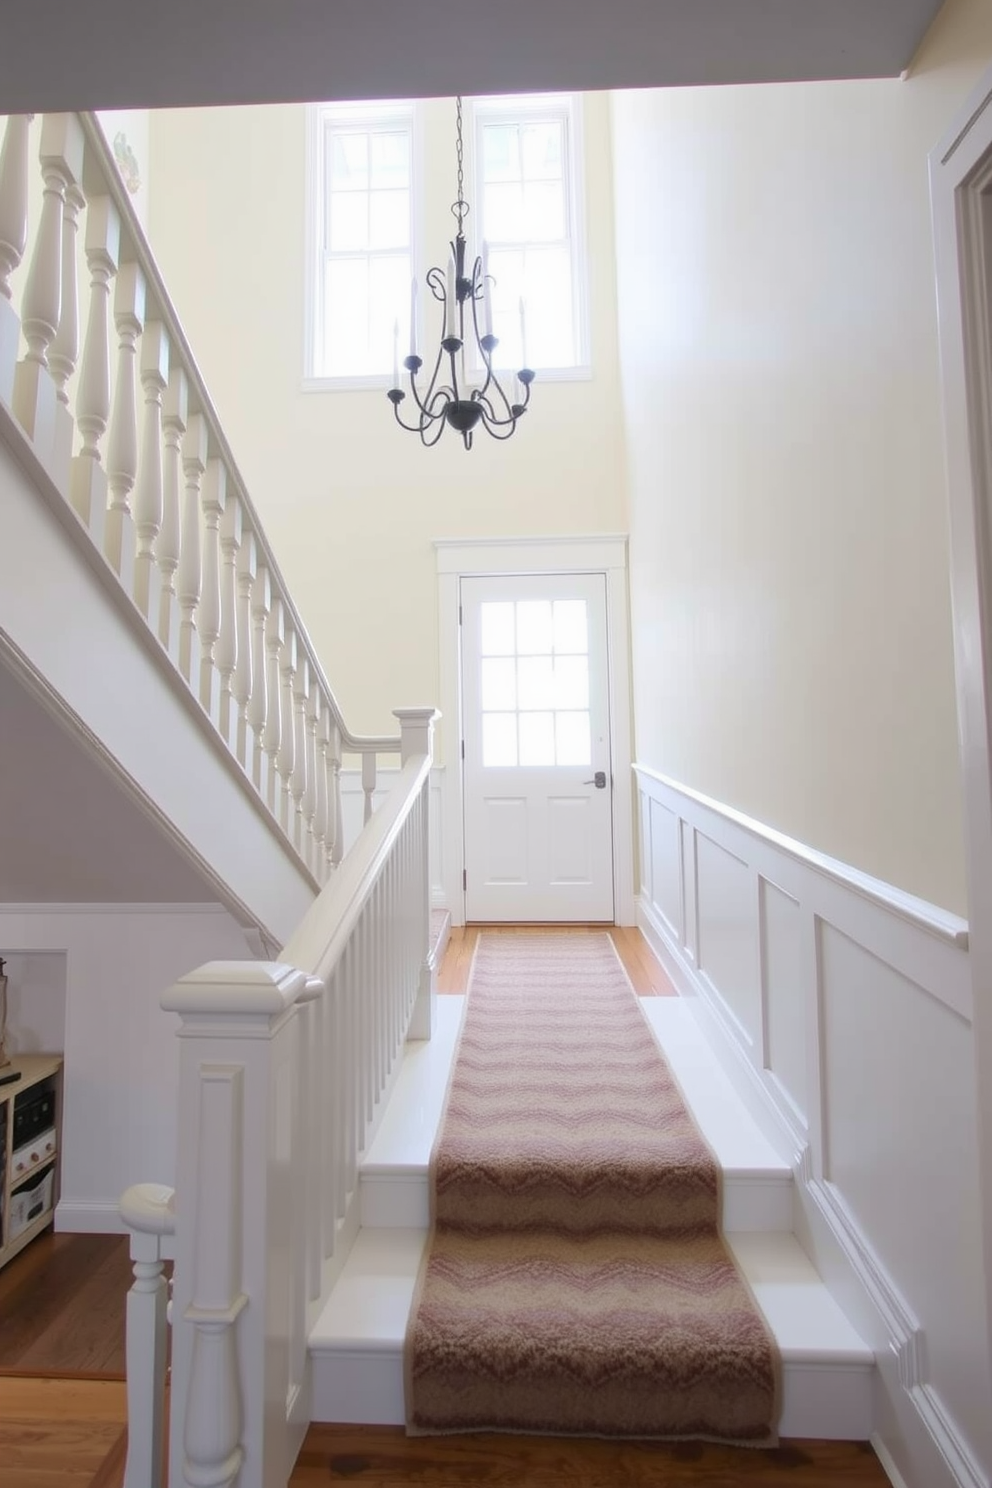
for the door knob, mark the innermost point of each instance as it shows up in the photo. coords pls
(598, 780)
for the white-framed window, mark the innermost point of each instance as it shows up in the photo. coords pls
(362, 195)
(529, 208)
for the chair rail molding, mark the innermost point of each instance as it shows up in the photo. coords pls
(604, 553)
(841, 1009)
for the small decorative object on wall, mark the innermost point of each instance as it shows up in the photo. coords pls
(448, 399)
(5, 1074)
(127, 163)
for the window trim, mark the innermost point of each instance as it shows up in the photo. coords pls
(384, 111)
(570, 107)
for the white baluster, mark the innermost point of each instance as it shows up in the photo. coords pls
(368, 782)
(35, 400)
(337, 850)
(102, 242)
(147, 1211)
(310, 794)
(64, 350)
(194, 464)
(249, 663)
(214, 498)
(272, 737)
(149, 500)
(122, 444)
(226, 651)
(321, 770)
(299, 778)
(13, 240)
(286, 758)
(169, 545)
(258, 703)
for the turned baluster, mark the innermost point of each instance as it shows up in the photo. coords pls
(272, 736)
(194, 464)
(368, 782)
(286, 759)
(310, 793)
(64, 350)
(102, 242)
(227, 642)
(149, 1213)
(299, 778)
(258, 703)
(35, 401)
(13, 240)
(122, 445)
(321, 820)
(169, 546)
(214, 498)
(149, 499)
(247, 660)
(337, 849)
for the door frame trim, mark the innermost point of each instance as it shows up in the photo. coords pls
(606, 554)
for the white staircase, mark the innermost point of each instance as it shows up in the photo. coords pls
(357, 1344)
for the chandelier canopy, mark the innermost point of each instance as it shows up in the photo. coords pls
(466, 297)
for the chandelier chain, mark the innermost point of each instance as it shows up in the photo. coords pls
(461, 205)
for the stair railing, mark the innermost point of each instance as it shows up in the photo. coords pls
(105, 402)
(285, 1068)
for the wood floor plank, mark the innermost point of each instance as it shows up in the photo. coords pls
(648, 977)
(384, 1457)
(62, 1305)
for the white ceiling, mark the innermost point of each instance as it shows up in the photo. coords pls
(68, 832)
(113, 53)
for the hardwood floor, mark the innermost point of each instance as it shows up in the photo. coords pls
(62, 1308)
(647, 976)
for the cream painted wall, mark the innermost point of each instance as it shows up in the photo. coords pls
(790, 592)
(351, 504)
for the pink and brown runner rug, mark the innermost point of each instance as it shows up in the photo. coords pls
(576, 1280)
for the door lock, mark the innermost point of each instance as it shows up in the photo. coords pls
(598, 780)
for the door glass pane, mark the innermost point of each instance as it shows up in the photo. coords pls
(534, 632)
(499, 684)
(497, 628)
(571, 689)
(537, 738)
(573, 743)
(571, 626)
(537, 680)
(499, 739)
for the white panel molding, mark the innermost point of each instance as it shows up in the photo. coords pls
(924, 944)
(593, 553)
(75, 908)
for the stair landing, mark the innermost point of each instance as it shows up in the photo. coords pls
(357, 1344)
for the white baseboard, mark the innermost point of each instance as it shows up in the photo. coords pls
(87, 1217)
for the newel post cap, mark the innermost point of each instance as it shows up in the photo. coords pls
(416, 731)
(255, 988)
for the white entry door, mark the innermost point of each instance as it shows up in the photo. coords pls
(538, 806)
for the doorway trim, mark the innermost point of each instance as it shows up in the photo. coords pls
(961, 205)
(459, 558)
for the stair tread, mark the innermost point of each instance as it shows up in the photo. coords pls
(411, 1119)
(368, 1309)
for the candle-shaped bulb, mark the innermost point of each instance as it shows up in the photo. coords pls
(396, 353)
(413, 317)
(450, 300)
(523, 333)
(487, 297)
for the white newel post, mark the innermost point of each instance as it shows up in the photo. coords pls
(194, 464)
(209, 616)
(247, 667)
(122, 444)
(13, 241)
(227, 641)
(169, 545)
(417, 737)
(286, 758)
(272, 735)
(102, 242)
(148, 1211)
(299, 778)
(258, 703)
(149, 496)
(241, 1241)
(35, 401)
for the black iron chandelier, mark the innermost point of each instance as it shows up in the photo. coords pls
(448, 398)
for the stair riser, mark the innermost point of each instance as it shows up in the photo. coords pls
(393, 1201)
(823, 1402)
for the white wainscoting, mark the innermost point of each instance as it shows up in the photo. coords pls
(840, 1007)
(353, 808)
